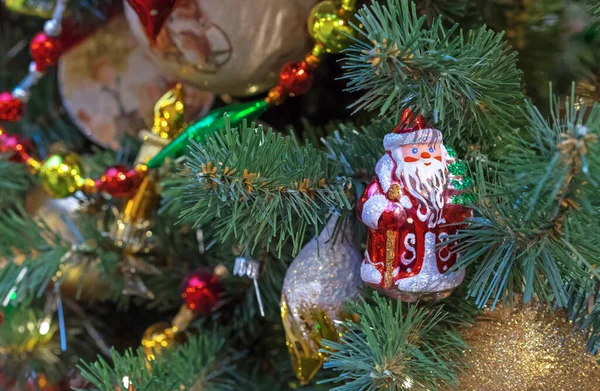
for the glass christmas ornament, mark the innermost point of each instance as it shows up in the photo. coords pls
(409, 210)
(329, 25)
(61, 175)
(324, 274)
(45, 51)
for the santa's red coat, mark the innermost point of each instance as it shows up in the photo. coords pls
(401, 222)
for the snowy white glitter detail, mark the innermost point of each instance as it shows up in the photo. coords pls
(443, 237)
(368, 271)
(429, 278)
(409, 243)
(373, 209)
(405, 202)
(384, 170)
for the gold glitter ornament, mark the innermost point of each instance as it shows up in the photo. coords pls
(324, 274)
(161, 337)
(528, 350)
(329, 25)
(61, 175)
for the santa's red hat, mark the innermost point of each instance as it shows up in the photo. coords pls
(412, 129)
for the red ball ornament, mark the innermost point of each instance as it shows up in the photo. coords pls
(296, 78)
(11, 108)
(153, 14)
(201, 290)
(45, 51)
(119, 181)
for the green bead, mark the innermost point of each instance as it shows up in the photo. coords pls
(61, 175)
(328, 25)
(207, 126)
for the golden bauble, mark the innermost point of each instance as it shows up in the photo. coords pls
(328, 24)
(227, 46)
(527, 349)
(83, 281)
(61, 175)
(161, 337)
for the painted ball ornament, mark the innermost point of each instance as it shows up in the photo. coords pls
(222, 46)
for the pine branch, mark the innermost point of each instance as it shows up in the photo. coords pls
(584, 310)
(394, 348)
(467, 84)
(14, 182)
(199, 364)
(537, 230)
(260, 187)
(33, 253)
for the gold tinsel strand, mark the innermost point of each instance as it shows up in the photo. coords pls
(527, 350)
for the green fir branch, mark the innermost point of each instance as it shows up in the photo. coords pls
(199, 365)
(467, 84)
(15, 180)
(394, 348)
(261, 187)
(584, 310)
(33, 254)
(536, 229)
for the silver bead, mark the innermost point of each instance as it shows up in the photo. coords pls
(21, 94)
(52, 28)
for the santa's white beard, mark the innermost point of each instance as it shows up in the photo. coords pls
(426, 184)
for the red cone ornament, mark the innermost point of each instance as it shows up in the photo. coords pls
(45, 51)
(201, 290)
(11, 108)
(409, 209)
(152, 14)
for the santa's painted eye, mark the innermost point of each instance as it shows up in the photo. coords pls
(431, 149)
(415, 150)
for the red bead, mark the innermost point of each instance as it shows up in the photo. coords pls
(11, 108)
(12, 143)
(153, 14)
(296, 78)
(201, 290)
(45, 51)
(119, 181)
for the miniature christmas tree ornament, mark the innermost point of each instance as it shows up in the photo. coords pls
(410, 209)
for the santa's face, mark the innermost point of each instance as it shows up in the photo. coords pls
(422, 168)
(421, 153)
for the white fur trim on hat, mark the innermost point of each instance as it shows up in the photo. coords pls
(421, 136)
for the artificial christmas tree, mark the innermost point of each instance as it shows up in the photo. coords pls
(141, 283)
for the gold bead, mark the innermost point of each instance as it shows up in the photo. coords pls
(141, 170)
(168, 114)
(312, 61)
(89, 186)
(33, 165)
(328, 25)
(275, 96)
(61, 175)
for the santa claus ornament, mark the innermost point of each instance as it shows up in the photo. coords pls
(410, 209)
